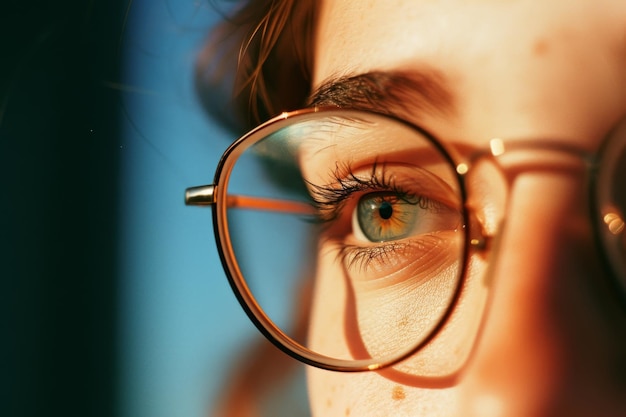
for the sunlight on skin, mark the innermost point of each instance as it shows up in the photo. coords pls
(517, 69)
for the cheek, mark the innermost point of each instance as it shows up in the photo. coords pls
(397, 392)
(357, 314)
(327, 318)
(334, 394)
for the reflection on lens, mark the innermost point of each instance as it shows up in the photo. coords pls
(371, 270)
(614, 222)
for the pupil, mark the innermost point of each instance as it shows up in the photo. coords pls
(385, 210)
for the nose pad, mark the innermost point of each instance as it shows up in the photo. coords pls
(487, 190)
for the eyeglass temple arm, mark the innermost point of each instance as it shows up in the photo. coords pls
(204, 195)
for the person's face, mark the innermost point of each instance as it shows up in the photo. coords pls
(514, 69)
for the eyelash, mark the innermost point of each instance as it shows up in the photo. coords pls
(330, 200)
(359, 258)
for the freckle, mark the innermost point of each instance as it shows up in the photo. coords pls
(398, 393)
(540, 47)
(347, 411)
(329, 403)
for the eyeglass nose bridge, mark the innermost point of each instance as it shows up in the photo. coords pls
(515, 158)
(519, 156)
(489, 175)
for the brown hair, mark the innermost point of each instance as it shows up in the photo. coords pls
(258, 62)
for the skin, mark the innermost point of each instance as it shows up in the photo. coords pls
(551, 343)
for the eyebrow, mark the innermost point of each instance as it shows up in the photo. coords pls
(403, 94)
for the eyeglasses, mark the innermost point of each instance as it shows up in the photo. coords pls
(382, 229)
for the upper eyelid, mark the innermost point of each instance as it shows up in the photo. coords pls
(401, 178)
(330, 201)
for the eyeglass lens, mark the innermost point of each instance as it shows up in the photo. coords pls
(363, 219)
(611, 200)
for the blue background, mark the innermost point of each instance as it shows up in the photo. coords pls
(181, 326)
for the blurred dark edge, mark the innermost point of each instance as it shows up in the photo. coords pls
(59, 160)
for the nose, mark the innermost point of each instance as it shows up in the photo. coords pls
(553, 343)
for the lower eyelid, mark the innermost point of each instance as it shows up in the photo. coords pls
(394, 262)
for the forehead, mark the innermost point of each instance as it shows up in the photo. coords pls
(516, 68)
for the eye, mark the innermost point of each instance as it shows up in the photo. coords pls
(385, 216)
